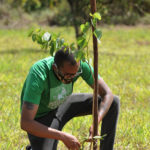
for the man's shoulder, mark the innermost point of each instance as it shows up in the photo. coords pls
(42, 67)
(43, 64)
(46, 60)
(85, 65)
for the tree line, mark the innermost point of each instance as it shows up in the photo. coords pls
(75, 12)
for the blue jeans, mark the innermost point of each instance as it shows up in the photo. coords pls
(77, 105)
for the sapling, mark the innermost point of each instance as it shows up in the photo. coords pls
(54, 42)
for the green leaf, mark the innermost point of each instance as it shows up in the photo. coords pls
(39, 39)
(55, 36)
(94, 21)
(52, 50)
(99, 137)
(38, 30)
(72, 47)
(91, 14)
(44, 45)
(59, 43)
(33, 37)
(80, 54)
(98, 34)
(97, 16)
(30, 33)
(82, 42)
(62, 42)
(66, 44)
(84, 27)
(53, 47)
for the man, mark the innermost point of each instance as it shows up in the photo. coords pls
(47, 103)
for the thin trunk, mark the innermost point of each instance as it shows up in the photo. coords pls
(73, 11)
(95, 97)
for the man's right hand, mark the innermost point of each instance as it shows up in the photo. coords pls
(35, 128)
(70, 141)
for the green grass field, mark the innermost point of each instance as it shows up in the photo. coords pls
(124, 64)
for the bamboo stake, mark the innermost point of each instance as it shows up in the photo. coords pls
(95, 97)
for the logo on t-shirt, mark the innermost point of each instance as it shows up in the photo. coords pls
(59, 94)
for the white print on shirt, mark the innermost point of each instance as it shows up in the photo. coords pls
(59, 94)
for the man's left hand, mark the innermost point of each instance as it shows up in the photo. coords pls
(91, 130)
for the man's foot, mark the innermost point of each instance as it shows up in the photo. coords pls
(28, 147)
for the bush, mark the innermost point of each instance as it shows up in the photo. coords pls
(145, 20)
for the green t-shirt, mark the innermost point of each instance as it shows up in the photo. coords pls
(42, 87)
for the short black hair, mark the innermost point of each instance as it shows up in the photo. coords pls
(63, 55)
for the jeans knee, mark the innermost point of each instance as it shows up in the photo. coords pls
(116, 103)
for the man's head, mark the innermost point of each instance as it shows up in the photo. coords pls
(63, 55)
(65, 65)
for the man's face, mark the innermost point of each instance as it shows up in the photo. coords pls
(67, 72)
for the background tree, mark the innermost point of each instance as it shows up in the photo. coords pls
(75, 12)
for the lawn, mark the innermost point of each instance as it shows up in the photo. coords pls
(124, 64)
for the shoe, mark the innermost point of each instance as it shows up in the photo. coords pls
(28, 147)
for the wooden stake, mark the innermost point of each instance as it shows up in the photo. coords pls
(95, 96)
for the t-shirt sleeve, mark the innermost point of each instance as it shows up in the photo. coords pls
(88, 73)
(33, 88)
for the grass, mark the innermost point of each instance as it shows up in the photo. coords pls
(124, 64)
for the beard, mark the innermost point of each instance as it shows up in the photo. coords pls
(67, 81)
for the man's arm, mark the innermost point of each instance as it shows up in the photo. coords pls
(107, 96)
(33, 127)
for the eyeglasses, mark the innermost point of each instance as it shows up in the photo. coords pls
(67, 76)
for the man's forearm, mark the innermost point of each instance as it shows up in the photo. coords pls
(40, 130)
(104, 106)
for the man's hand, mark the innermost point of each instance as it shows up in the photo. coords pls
(90, 133)
(71, 142)
(91, 130)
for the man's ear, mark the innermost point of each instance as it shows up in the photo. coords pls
(54, 67)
